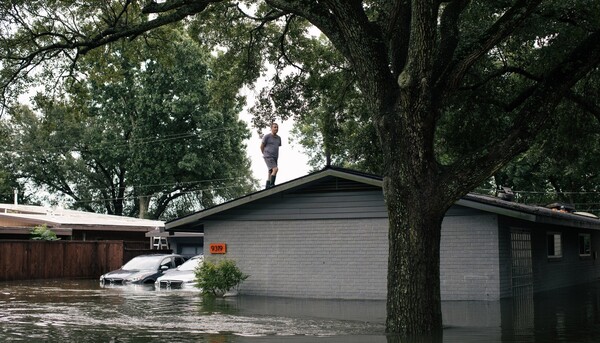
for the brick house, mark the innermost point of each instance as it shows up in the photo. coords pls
(324, 235)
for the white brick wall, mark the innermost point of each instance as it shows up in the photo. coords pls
(347, 259)
(469, 258)
(344, 259)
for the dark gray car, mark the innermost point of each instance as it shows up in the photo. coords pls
(143, 269)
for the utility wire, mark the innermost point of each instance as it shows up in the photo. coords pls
(167, 184)
(142, 196)
(112, 144)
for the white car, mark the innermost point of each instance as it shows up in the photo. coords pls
(182, 277)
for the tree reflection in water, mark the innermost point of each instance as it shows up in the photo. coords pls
(79, 310)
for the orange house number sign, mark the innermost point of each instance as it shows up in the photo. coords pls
(218, 248)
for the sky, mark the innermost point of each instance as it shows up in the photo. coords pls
(292, 162)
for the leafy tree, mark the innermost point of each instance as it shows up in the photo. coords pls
(43, 233)
(9, 178)
(139, 125)
(8, 184)
(332, 118)
(427, 71)
(561, 166)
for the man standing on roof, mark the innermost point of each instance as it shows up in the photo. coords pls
(270, 149)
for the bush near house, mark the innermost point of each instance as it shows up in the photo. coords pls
(42, 233)
(218, 278)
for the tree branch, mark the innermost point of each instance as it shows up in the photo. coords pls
(395, 27)
(449, 33)
(112, 34)
(585, 104)
(282, 45)
(348, 28)
(318, 14)
(30, 47)
(154, 7)
(533, 115)
(455, 70)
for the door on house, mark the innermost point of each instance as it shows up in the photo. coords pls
(522, 283)
(522, 271)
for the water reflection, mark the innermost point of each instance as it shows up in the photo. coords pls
(69, 311)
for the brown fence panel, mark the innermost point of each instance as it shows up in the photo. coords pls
(13, 259)
(136, 245)
(110, 257)
(29, 259)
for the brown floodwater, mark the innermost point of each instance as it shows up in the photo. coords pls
(82, 311)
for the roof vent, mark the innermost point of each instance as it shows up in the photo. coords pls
(561, 207)
(505, 193)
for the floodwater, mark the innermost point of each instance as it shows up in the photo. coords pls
(82, 311)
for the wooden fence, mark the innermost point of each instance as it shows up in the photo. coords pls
(31, 259)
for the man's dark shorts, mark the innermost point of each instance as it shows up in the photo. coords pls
(271, 162)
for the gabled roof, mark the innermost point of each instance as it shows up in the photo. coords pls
(476, 201)
(346, 174)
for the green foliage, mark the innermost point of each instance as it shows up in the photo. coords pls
(561, 166)
(218, 278)
(43, 233)
(143, 129)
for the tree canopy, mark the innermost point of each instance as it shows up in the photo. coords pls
(561, 165)
(492, 72)
(138, 133)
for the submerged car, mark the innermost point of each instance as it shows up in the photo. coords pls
(181, 277)
(143, 269)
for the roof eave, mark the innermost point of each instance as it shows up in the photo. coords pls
(496, 209)
(563, 219)
(270, 191)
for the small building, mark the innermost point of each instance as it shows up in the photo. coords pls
(186, 244)
(325, 235)
(17, 221)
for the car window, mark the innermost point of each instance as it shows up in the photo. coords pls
(167, 262)
(190, 264)
(178, 261)
(143, 263)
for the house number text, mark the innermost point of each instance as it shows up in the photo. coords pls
(218, 248)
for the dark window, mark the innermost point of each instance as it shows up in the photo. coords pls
(166, 263)
(178, 261)
(585, 244)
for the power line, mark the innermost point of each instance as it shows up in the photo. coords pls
(169, 184)
(111, 144)
(142, 196)
(549, 193)
(553, 193)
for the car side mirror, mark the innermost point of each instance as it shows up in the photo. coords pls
(164, 267)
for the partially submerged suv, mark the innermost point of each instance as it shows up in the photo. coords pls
(181, 277)
(143, 269)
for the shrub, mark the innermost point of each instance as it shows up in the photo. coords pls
(42, 232)
(218, 278)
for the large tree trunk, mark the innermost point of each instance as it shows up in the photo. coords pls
(416, 205)
(144, 203)
(413, 293)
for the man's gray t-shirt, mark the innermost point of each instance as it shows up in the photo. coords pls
(271, 145)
